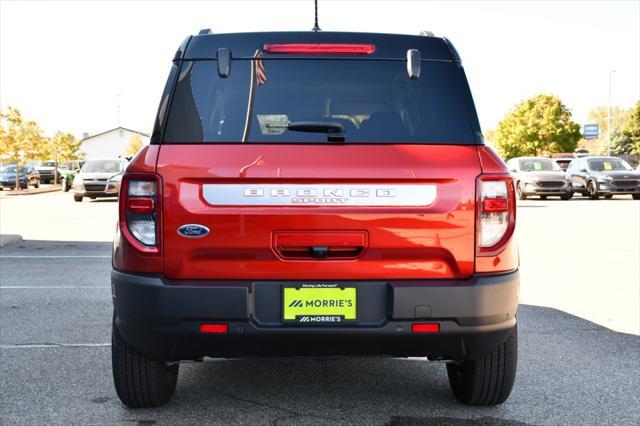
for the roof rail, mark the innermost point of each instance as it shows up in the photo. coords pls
(426, 33)
(205, 31)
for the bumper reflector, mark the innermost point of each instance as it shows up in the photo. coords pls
(214, 328)
(425, 328)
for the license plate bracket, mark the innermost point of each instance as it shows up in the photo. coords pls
(319, 304)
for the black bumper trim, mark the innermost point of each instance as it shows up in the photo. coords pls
(161, 318)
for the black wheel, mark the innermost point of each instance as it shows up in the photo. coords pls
(567, 196)
(543, 197)
(37, 184)
(140, 382)
(520, 192)
(636, 196)
(592, 190)
(77, 198)
(608, 196)
(488, 380)
(66, 186)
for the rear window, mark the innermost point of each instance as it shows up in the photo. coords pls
(374, 100)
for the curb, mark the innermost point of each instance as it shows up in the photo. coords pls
(53, 188)
(6, 239)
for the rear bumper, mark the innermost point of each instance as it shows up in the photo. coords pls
(161, 318)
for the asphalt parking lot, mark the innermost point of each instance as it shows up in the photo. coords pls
(579, 324)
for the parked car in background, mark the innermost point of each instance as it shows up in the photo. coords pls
(47, 170)
(539, 176)
(563, 159)
(26, 176)
(67, 171)
(582, 153)
(606, 176)
(99, 178)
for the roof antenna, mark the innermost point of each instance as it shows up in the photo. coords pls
(315, 26)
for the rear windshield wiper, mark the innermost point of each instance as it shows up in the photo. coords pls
(334, 131)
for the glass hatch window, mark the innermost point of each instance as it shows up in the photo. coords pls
(374, 101)
(539, 165)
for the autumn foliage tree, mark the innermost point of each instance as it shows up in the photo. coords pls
(135, 144)
(626, 138)
(20, 139)
(537, 126)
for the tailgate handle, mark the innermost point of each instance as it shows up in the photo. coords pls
(314, 245)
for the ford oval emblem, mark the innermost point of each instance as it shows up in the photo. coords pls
(193, 230)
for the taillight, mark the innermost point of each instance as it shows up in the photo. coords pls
(320, 48)
(496, 212)
(140, 214)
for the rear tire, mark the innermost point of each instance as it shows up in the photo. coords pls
(77, 198)
(636, 196)
(520, 192)
(608, 196)
(543, 197)
(140, 382)
(488, 380)
(567, 196)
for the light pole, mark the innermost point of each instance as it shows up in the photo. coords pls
(609, 115)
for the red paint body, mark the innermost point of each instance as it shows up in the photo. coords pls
(267, 242)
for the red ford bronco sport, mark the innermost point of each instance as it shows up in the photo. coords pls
(318, 194)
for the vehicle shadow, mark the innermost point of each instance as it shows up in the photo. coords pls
(560, 363)
(104, 200)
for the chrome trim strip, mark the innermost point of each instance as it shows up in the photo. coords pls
(319, 195)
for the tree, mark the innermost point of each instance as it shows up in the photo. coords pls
(626, 139)
(599, 116)
(64, 147)
(537, 126)
(135, 144)
(20, 139)
(61, 147)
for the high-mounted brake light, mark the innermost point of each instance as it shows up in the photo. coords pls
(496, 212)
(320, 48)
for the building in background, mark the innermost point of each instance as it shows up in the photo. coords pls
(112, 143)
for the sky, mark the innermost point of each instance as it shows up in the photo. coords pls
(73, 65)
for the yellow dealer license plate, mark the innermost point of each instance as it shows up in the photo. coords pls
(319, 304)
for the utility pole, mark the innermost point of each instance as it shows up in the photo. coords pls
(118, 96)
(609, 115)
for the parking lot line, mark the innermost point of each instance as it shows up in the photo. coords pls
(55, 345)
(3, 287)
(55, 257)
